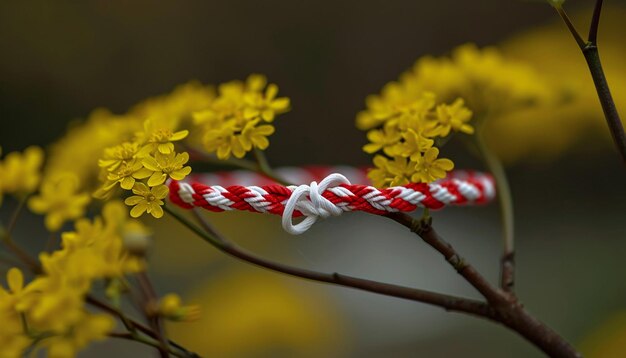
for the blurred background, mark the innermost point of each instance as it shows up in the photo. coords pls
(62, 59)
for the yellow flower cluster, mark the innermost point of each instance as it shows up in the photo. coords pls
(404, 127)
(488, 83)
(149, 157)
(49, 313)
(237, 120)
(20, 173)
(60, 200)
(432, 99)
(75, 152)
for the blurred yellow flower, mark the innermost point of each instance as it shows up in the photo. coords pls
(147, 200)
(13, 339)
(171, 307)
(21, 172)
(59, 200)
(574, 118)
(89, 328)
(255, 136)
(452, 117)
(608, 339)
(256, 313)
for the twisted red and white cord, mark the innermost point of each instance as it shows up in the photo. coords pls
(332, 196)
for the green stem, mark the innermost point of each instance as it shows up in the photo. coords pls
(505, 200)
(450, 303)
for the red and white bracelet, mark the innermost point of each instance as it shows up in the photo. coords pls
(332, 196)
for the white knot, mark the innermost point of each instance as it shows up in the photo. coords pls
(308, 200)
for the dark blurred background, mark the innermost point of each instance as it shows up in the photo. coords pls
(59, 60)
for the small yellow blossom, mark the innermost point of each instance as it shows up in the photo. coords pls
(118, 155)
(59, 200)
(170, 307)
(231, 123)
(13, 339)
(20, 172)
(159, 138)
(266, 107)
(127, 172)
(414, 142)
(452, 117)
(147, 200)
(384, 139)
(163, 165)
(391, 172)
(255, 136)
(428, 168)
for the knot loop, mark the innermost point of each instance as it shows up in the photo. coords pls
(308, 200)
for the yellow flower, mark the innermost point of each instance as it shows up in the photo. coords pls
(159, 138)
(230, 124)
(279, 318)
(391, 173)
(20, 172)
(127, 172)
(147, 200)
(384, 139)
(59, 200)
(255, 136)
(89, 328)
(414, 142)
(163, 165)
(114, 157)
(170, 307)
(429, 168)
(13, 340)
(451, 117)
(223, 141)
(266, 107)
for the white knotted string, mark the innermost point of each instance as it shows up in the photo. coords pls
(309, 201)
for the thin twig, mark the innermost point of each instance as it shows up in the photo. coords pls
(143, 340)
(425, 230)
(570, 26)
(137, 325)
(450, 303)
(150, 302)
(16, 214)
(595, 22)
(592, 56)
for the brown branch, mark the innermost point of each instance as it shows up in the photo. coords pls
(502, 307)
(507, 310)
(133, 324)
(425, 230)
(150, 302)
(449, 303)
(590, 52)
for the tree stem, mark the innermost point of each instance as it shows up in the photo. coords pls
(502, 307)
(590, 51)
